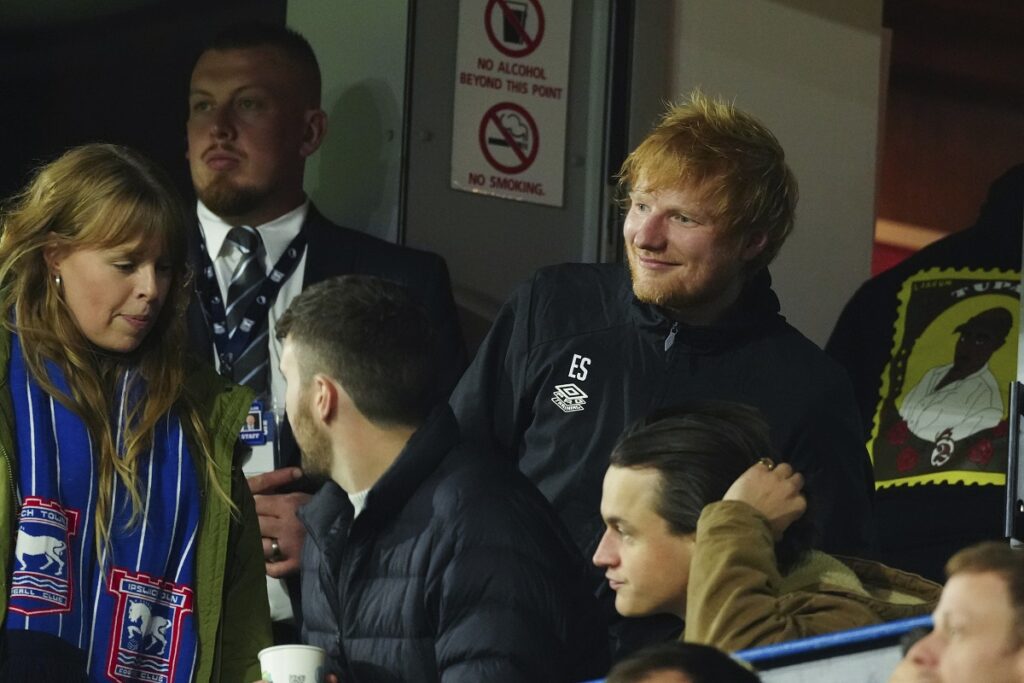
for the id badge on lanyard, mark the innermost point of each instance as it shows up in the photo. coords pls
(260, 425)
(260, 430)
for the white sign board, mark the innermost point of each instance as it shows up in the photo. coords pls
(511, 87)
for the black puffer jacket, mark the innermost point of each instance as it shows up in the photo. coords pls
(456, 570)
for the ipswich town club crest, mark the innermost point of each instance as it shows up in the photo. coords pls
(147, 622)
(41, 581)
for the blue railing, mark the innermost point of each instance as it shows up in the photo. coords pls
(804, 646)
(832, 641)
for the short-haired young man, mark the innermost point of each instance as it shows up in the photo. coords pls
(698, 524)
(582, 350)
(425, 560)
(979, 623)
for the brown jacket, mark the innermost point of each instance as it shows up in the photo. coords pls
(737, 598)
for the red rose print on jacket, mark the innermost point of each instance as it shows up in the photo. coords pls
(906, 460)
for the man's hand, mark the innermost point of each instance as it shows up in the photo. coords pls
(281, 529)
(774, 491)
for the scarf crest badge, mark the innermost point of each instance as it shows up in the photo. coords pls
(42, 574)
(148, 615)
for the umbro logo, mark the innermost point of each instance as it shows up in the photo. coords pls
(569, 398)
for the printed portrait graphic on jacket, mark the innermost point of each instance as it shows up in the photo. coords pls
(944, 404)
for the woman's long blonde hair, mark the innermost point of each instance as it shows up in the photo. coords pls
(102, 196)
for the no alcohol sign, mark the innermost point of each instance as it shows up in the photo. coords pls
(514, 27)
(511, 88)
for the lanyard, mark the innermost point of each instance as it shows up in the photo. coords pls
(230, 346)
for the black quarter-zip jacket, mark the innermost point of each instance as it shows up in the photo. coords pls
(573, 358)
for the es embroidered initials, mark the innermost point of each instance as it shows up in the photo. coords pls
(578, 367)
(569, 397)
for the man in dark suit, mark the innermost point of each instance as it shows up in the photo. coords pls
(254, 119)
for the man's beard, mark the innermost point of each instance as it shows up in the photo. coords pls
(646, 292)
(652, 293)
(675, 294)
(226, 199)
(313, 443)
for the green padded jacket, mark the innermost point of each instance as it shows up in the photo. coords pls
(230, 591)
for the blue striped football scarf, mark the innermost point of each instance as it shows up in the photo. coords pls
(131, 611)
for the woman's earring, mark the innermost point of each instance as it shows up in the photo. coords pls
(56, 280)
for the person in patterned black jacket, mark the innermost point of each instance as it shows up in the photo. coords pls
(899, 325)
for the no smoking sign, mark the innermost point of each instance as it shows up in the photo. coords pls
(508, 138)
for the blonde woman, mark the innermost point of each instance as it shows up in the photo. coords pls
(130, 548)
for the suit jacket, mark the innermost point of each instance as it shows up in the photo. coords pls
(333, 250)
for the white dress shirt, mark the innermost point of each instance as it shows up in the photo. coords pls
(276, 236)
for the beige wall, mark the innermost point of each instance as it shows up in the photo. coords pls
(354, 178)
(810, 71)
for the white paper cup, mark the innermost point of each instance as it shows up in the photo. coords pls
(292, 664)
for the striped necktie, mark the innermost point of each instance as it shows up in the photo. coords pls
(250, 367)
